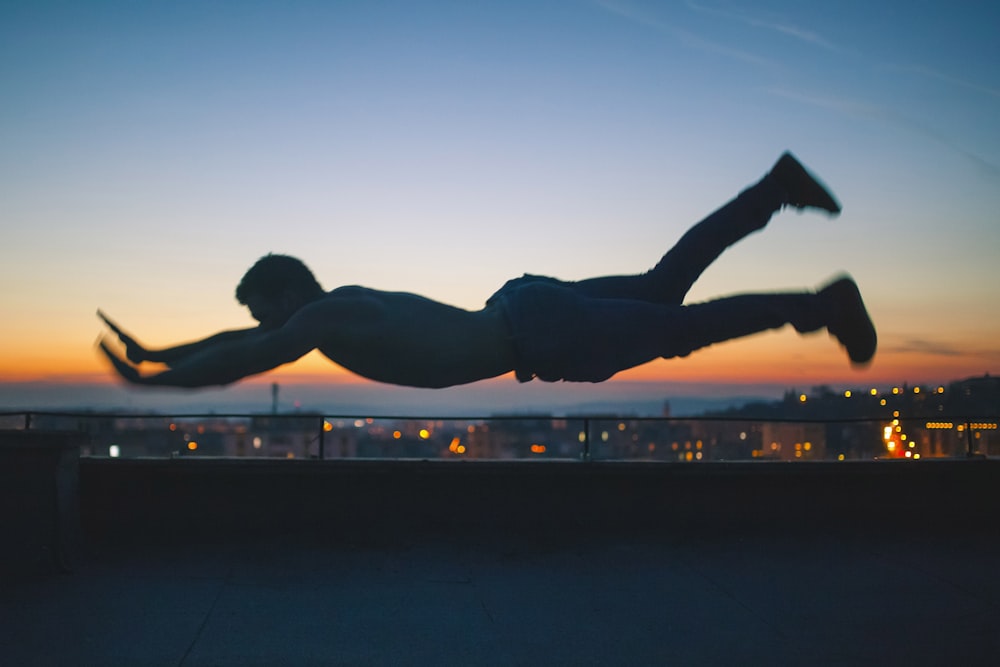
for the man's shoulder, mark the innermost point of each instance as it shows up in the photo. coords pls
(348, 299)
(350, 290)
(348, 294)
(330, 309)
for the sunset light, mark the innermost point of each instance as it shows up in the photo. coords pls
(150, 156)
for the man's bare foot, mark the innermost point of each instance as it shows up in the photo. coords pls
(848, 320)
(802, 188)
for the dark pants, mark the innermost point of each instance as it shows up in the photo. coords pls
(588, 330)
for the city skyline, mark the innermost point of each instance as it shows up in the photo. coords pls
(480, 400)
(150, 154)
(822, 424)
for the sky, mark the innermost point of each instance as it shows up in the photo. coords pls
(150, 152)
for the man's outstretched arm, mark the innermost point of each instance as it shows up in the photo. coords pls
(224, 361)
(138, 353)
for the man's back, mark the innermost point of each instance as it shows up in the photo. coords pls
(403, 338)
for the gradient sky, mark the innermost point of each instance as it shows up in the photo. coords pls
(151, 151)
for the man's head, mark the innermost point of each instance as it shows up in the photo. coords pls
(275, 287)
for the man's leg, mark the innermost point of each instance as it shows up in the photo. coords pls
(838, 307)
(787, 184)
(560, 335)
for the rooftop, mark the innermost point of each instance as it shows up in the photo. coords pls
(223, 562)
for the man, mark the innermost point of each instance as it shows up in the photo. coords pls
(536, 326)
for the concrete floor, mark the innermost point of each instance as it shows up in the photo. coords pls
(626, 600)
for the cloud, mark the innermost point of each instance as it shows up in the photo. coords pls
(841, 105)
(923, 346)
(946, 78)
(781, 27)
(940, 349)
(868, 111)
(632, 12)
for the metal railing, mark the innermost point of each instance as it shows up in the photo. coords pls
(315, 435)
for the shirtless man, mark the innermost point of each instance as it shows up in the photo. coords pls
(584, 331)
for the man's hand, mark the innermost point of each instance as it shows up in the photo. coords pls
(218, 360)
(123, 367)
(135, 352)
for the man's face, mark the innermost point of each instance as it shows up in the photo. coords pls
(271, 312)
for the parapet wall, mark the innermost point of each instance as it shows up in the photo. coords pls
(385, 500)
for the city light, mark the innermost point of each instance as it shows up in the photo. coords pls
(932, 434)
(887, 434)
(895, 438)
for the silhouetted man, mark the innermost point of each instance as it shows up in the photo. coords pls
(538, 327)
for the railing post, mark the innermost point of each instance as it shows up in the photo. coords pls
(969, 447)
(585, 454)
(27, 421)
(322, 441)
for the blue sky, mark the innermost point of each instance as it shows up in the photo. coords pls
(149, 152)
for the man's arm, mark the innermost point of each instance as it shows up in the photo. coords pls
(137, 353)
(226, 360)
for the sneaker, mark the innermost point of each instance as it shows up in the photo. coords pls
(848, 320)
(803, 189)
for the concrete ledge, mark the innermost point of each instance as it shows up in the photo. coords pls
(180, 499)
(39, 498)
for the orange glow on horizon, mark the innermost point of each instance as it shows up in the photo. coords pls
(780, 359)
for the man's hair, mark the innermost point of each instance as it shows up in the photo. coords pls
(273, 275)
